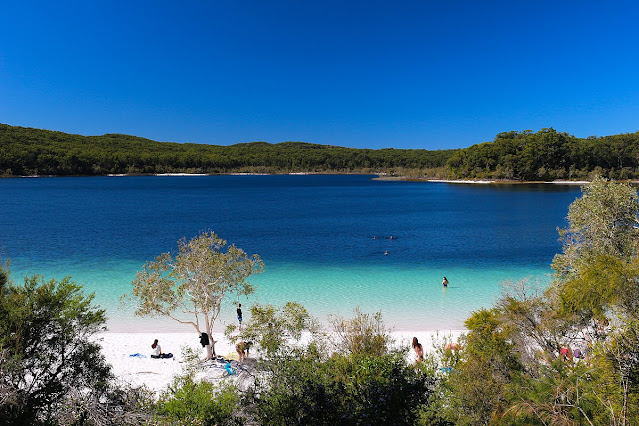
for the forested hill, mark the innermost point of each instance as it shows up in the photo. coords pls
(27, 151)
(526, 156)
(548, 155)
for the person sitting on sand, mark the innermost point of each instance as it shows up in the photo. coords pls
(157, 351)
(419, 350)
(242, 349)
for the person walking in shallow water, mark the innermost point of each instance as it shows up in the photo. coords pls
(445, 282)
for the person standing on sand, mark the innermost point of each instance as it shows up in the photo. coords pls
(419, 350)
(445, 282)
(239, 315)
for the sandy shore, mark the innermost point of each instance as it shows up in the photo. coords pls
(157, 374)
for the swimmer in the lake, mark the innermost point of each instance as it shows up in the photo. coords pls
(386, 252)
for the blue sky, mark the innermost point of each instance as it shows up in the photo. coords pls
(374, 74)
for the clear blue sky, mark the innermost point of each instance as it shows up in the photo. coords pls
(402, 74)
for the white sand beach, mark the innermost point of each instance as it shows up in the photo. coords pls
(157, 374)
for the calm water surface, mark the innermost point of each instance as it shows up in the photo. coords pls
(314, 233)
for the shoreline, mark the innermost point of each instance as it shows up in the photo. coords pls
(158, 374)
(374, 176)
(485, 181)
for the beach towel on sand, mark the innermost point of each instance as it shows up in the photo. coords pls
(232, 355)
(137, 355)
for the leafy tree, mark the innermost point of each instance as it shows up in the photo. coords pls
(48, 361)
(192, 403)
(475, 388)
(362, 381)
(365, 334)
(360, 390)
(274, 329)
(194, 283)
(601, 222)
(597, 278)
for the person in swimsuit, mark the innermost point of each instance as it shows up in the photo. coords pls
(239, 315)
(445, 282)
(419, 350)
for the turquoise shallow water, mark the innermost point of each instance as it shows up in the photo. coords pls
(314, 233)
(409, 299)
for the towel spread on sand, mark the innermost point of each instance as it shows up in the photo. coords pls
(137, 355)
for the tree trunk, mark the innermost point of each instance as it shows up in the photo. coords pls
(210, 348)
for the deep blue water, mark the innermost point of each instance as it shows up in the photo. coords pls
(314, 233)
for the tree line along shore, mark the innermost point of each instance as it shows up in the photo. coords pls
(545, 155)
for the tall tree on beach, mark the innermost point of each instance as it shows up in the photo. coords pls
(190, 287)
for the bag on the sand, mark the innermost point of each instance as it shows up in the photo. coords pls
(228, 368)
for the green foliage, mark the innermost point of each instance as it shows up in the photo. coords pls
(359, 390)
(365, 334)
(47, 359)
(274, 329)
(598, 269)
(601, 222)
(545, 155)
(597, 283)
(194, 282)
(548, 155)
(203, 403)
(475, 388)
(25, 151)
(617, 366)
(561, 394)
(604, 284)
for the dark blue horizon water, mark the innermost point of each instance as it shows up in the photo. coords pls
(314, 233)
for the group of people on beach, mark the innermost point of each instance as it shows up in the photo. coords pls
(419, 349)
(241, 348)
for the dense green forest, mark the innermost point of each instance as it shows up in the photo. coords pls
(548, 155)
(26, 151)
(525, 156)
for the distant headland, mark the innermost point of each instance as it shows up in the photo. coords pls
(526, 156)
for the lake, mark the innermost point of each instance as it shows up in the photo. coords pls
(315, 234)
